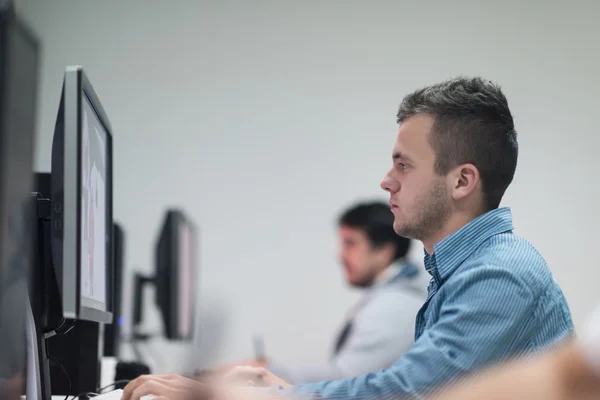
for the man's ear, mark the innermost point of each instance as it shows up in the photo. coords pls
(465, 180)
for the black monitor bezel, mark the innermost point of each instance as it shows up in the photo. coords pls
(167, 264)
(76, 86)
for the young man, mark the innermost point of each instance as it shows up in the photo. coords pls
(380, 327)
(492, 296)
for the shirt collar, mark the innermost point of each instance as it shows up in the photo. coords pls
(395, 271)
(451, 251)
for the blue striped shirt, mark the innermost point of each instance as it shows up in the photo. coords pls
(491, 297)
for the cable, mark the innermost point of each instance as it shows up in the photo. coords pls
(87, 394)
(81, 394)
(66, 376)
(93, 394)
(113, 384)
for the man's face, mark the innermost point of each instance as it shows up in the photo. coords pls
(360, 260)
(420, 198)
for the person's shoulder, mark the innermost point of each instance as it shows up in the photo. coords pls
(411, 289)
(514, 255)
(393, 299)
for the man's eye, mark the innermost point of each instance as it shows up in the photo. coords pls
(402, 165)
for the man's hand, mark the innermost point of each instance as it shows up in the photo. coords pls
(254, 376)
(250, 363)
(175, 387)
(167, 387)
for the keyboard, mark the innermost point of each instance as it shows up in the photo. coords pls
(116, 395)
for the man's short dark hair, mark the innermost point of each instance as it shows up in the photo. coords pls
(473, 124)
(377, 221)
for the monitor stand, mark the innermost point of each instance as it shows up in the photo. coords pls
(44, 296)
(139, 284)
(33, 390)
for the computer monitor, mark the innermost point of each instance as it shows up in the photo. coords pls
(174, 279)
(176, 275)
(19, 62)
(73, 239)
(81, 184)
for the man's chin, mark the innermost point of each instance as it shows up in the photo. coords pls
(361, 284)
(398, 226)
(404, 231)
(400, 231)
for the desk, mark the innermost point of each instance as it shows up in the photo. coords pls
(53, 397)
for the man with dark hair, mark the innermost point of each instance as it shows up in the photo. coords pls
(369, 246)
(380, 327)
(492, 296)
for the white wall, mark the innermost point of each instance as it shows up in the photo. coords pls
(264, 118)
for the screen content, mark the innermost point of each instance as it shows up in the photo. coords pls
(93, 208)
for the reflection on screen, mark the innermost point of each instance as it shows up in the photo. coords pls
(93, 207)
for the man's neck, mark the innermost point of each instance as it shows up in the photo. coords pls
(453, 224)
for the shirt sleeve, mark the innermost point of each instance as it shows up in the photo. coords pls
(484, 310)
(381, 333)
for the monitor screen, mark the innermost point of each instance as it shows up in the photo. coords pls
(186, 299)
(175, 278)
(93, 237)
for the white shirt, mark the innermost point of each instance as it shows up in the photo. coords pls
(387, 274)
(382, 330)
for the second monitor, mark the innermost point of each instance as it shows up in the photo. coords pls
(174, 279)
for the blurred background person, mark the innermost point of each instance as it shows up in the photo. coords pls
(380, 326)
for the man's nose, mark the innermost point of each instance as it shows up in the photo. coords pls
(386, 182)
